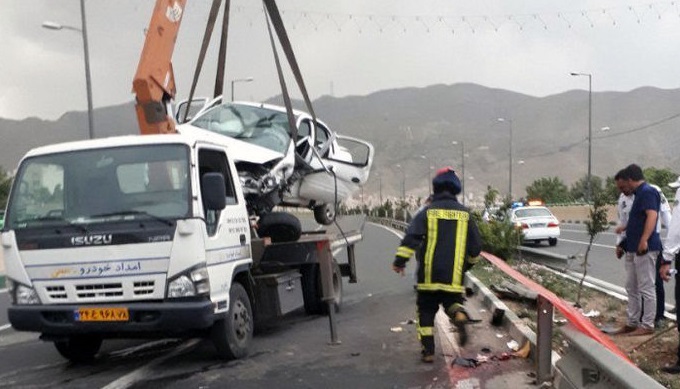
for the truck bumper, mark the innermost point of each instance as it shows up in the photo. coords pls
(146, 320)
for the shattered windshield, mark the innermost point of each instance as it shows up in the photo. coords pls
(89, 186)
(255, 125)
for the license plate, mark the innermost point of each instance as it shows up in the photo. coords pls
(102, 314)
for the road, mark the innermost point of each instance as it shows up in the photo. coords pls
(603, 264)
(295, 353)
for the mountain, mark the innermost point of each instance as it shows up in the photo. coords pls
(413, 129)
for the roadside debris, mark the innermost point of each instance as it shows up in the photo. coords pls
(396, 329)
(514, 291)
(524, 351)
(513, 345)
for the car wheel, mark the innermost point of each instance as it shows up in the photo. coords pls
(233, 335)
(313, 293)
(324, 214)
(552, 241)
(280, 227)
(79, 349)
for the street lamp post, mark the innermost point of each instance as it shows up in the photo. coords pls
(403, 182)
(429, 177)
(88, 84)
(247, 79)
(462, 165)
(590, 131)
(509, 155)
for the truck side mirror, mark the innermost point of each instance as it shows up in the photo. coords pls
(214, 191)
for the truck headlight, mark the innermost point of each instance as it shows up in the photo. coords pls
(22, 294)
(191, 283)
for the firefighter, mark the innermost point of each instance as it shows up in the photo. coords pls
(450, 246)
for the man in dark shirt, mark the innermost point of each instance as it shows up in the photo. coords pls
(642, 247)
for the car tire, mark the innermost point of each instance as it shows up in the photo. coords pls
(79, 349)
(312, 291)
(233, 335)
(324, 214)
(280, 227)
(552, 241)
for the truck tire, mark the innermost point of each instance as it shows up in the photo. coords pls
(312, 292)
(324, 214)
(233, 335)
(79, 349)
(280, 227)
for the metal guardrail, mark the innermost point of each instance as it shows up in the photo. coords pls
(590, 361)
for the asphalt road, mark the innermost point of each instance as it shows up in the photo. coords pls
(292, 354)
(603, 264)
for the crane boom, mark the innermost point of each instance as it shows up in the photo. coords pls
(154, 82)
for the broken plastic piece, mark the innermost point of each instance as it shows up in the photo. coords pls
(513, 345)
(396, 329)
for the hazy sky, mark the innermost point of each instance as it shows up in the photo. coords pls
(344, 47)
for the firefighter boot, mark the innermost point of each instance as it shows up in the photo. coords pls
(459, 317)
(427, 351)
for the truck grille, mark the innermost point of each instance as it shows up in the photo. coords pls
(56, 292)
(114, 289)
(105, 291)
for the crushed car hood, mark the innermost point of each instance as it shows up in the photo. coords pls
(239, 151)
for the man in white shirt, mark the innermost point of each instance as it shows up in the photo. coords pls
(670, 252)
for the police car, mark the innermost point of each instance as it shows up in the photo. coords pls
(536, 222)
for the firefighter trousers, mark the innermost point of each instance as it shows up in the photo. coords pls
(427, 305)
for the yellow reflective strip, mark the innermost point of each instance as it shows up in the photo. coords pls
(442, 287)
(459, 256)
(405, 252)
(448, 214)
(431, 244)
(425, 331)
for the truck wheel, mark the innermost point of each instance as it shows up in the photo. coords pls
(313, 293)
(233, 335)
(552, 241)
(280, 227)
(324, 214)
(79, 349)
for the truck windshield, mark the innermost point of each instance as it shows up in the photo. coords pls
(128, 183)
(259, 126)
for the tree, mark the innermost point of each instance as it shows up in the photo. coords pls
(5, 185)
(490, 196)
(661, 178)
(596, 223)
(549, 189)
(578, 189)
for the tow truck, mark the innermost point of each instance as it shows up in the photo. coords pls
(149, 236)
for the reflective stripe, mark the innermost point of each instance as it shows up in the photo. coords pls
(432, 224)
(459, 255)
(448, 214)
(425, 331)
(442, 287)
(405, 252)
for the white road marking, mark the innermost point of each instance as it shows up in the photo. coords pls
(3, 290)
(586, 243)
(5, 327)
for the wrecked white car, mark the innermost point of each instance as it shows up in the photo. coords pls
(318, 171)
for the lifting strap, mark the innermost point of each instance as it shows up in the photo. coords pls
(222, 56)
(214, 10)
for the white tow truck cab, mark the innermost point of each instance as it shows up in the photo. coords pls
(149, 236)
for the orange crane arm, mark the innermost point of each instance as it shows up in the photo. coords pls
(154, 82)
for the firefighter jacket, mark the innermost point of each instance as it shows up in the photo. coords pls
(446, 242)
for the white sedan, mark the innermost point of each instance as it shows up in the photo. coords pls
(318, 171)
(537, 224)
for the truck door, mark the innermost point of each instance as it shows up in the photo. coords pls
(228, 230)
